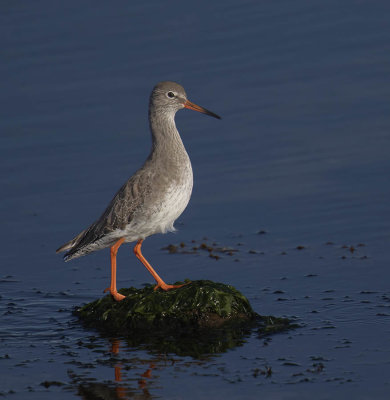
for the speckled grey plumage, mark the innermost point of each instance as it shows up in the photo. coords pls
(155, 196)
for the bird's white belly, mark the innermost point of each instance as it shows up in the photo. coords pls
(161, 216)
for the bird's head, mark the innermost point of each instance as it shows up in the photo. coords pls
(170, 97)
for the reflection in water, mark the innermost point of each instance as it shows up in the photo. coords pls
(120, 390)
(134, 377)
(146, 374)
(123, 386)
(142, 383)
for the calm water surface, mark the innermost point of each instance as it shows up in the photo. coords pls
(302, 153)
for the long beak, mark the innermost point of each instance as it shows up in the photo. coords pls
(191, 106)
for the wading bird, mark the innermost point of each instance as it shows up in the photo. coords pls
(154, 197)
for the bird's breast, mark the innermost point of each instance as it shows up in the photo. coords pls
(176, 196)
(164, 204)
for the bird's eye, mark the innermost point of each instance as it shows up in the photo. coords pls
(171, 95)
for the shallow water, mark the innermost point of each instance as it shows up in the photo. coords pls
(301, 153)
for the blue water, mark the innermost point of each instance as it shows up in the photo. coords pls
(301, 153)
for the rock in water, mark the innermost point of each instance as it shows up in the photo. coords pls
(196, 320)
(197, 306)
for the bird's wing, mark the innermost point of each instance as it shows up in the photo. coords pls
(119, 213)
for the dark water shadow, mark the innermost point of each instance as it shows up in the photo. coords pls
(135, 377)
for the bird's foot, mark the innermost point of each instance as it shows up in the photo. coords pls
(165, 286)
(114, 293)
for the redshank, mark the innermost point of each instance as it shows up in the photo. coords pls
(154, 197)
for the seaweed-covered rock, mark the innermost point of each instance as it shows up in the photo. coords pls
(199, 304)
(199, 318)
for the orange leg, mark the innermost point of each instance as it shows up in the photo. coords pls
(160, 283)
(112, 289)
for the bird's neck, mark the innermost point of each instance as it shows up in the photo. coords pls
(165, 136)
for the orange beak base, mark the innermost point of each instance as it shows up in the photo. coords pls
(191, 106)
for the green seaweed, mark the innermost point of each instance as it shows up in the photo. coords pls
(269, 325)
(202, 317)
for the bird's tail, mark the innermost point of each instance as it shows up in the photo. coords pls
(71, 244)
